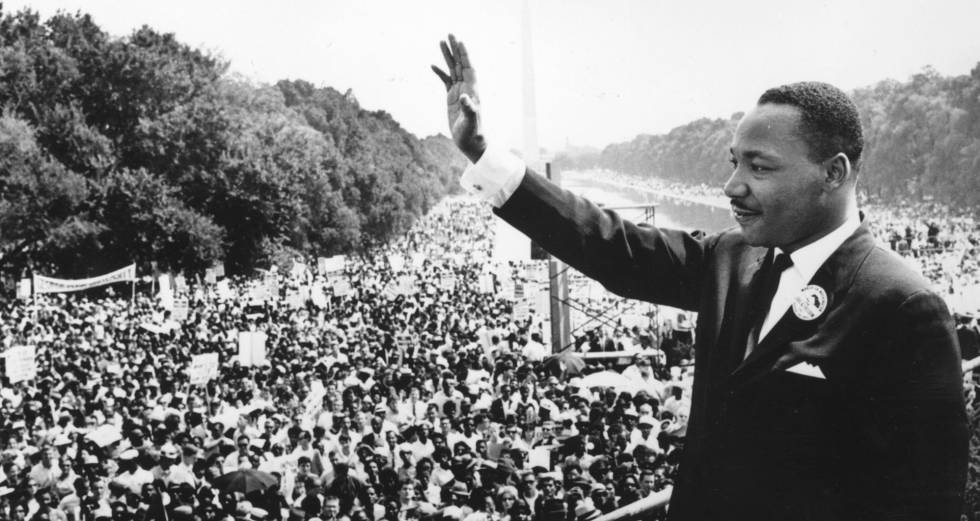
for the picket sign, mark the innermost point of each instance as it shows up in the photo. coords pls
(203, 368)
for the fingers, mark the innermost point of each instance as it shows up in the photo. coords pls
(467, 73)
(457, 62)
(462, 56)
(446, 80)
(457, 66)
(450, 62)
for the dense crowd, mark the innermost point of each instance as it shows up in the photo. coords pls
(412, 384)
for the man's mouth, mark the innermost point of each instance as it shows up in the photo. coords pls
(742, 213)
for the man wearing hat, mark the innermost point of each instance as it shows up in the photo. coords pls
(169, 470)
(585, 510)
(829, 380)
(131, 476)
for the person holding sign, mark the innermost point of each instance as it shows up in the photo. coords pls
(828, 373)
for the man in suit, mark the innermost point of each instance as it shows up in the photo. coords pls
(827, 382)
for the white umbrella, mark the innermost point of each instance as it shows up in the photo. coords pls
(105, 435)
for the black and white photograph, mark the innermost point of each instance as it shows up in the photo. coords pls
(453, 260)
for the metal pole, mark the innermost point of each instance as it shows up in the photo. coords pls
(558, 290)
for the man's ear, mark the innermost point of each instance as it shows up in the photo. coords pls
(838, 171)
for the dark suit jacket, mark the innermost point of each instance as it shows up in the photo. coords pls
(884, 436)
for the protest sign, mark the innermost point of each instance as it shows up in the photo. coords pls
(203, 368)
(166, 300)
(407, 285)
(181, 308)
(397, 261)
(485, 283)
(521, 312)
(341, 288)
(258, 294)
(539, 457)
(298, 270)
(388, 291)
(251, 348)
(404, 341)
(272, 287)
(294, 299)
(507, 289)
(180, 284)
(21, 363)
(224, 290)
(331, 265)
(24, 289)
(448, 282)
(317, 296)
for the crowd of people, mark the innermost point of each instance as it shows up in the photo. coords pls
(413, 383)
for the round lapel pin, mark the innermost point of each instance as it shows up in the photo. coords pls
(810, 303)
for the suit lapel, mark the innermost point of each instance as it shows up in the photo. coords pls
(738, 310)
(834, 276)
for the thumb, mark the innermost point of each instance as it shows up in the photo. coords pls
(469, 106)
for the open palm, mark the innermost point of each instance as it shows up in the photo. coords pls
(462, 102)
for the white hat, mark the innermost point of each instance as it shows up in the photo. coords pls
(169, 451)
(129, 455)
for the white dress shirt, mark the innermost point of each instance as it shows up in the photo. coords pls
(495, 177)
(806, 261)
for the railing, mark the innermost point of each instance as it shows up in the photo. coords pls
(639, 509)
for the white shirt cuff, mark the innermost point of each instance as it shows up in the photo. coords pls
(495, 177)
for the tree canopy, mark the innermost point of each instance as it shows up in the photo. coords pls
(142, 148)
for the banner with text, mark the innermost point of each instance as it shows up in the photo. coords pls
(44, 284)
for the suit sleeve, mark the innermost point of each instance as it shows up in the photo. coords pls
(635, 261)
(919, 403)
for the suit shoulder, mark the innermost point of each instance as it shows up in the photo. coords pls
(730, 243)
(890, 277)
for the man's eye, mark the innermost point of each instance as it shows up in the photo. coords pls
(733, 161)
(760, 168)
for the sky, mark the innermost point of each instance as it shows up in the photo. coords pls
(604, 71)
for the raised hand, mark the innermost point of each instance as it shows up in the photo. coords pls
(462, 102)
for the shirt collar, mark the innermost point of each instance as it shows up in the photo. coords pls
(808, 259)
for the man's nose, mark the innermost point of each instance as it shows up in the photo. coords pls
(735, 187)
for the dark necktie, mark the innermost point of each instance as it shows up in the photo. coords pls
(767, 290)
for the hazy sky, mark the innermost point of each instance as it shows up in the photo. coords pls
(605, 70)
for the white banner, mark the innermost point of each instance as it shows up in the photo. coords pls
(21, 363)
(44, 284)
(203, 368)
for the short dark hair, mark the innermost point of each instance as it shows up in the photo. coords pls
(830, 122)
